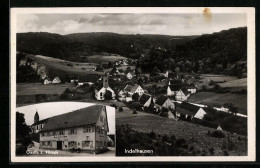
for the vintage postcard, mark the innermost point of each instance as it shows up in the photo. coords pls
(132, 84)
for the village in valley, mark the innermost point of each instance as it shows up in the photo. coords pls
(174, 95)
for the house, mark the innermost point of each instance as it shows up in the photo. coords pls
(38, 124)
(206, 123)
(130, 75)
(173, 89)
(102, 89)
(47, 81)
(146, 100)
(182, 95)
(164, 101)
(175, 82)
(134, 89)
(87, 79)
(73, 78)
(84, 129)
(191, 88)
(56, 80)
(190, 111)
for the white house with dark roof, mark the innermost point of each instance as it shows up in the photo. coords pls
(190, 110)
(47, 80)
(164, 101)
(146, 100)
(182, 95)
(130, 75)
(173, 89)
(56, 80)
(102, 89)
(191, 88)
(84, 129)
(134, 89)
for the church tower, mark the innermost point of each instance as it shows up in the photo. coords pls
(105, 82)
(36, 117)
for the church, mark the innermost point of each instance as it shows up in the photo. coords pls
(101, 90)
(37, 124)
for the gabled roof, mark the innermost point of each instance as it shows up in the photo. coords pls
(205, 123)
(57, 79)
(176, 82)
(88, 78)
(84, 116)
(128, 88)
(144, 98)
(161, 100)
(133, 89)
(185, 91)
(40, 122)
(184, 111)
(190, 107)
(100, 86)
(171, 75)
(175, 87)
(190, 86)
(47, 78)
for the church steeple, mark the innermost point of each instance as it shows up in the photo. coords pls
(36, 117)
(105, 82)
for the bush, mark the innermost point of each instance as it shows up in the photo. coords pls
(165, 138)
(225, 152)
(212, 151)
(152, 135)
(120, 108)
(218, 134)
(134, 112)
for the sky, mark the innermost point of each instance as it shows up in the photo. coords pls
(131, 23)
(46, 110)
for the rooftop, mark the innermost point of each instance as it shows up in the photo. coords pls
(84, 116)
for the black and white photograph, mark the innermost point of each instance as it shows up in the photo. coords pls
(133, 83)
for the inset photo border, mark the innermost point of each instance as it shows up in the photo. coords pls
(138, 84)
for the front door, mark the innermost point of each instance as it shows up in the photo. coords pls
(59, 145)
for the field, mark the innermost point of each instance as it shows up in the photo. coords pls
(219, 99)
(235, 84)
(32, 89)
(105, 58)
(194, 135)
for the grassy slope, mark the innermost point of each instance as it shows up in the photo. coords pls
(195, 135)
(32, 89)
(218, 99)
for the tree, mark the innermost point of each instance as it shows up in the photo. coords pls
(22, 133)
(108, 95)
(135, 96)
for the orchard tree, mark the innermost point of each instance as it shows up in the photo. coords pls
(135, 97)
(108, 95)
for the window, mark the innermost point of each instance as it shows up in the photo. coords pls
(87, 138)
(87, 129)
(49, 143)
(85, 144)
(61, 132)
(72, 144)
(101, 118)
(73, 131)
(48, 133)
(42, 134)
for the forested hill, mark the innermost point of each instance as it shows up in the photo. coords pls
(221, 52)
(222, 47)
(74, 46)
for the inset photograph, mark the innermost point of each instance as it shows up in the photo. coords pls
(65, 129)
